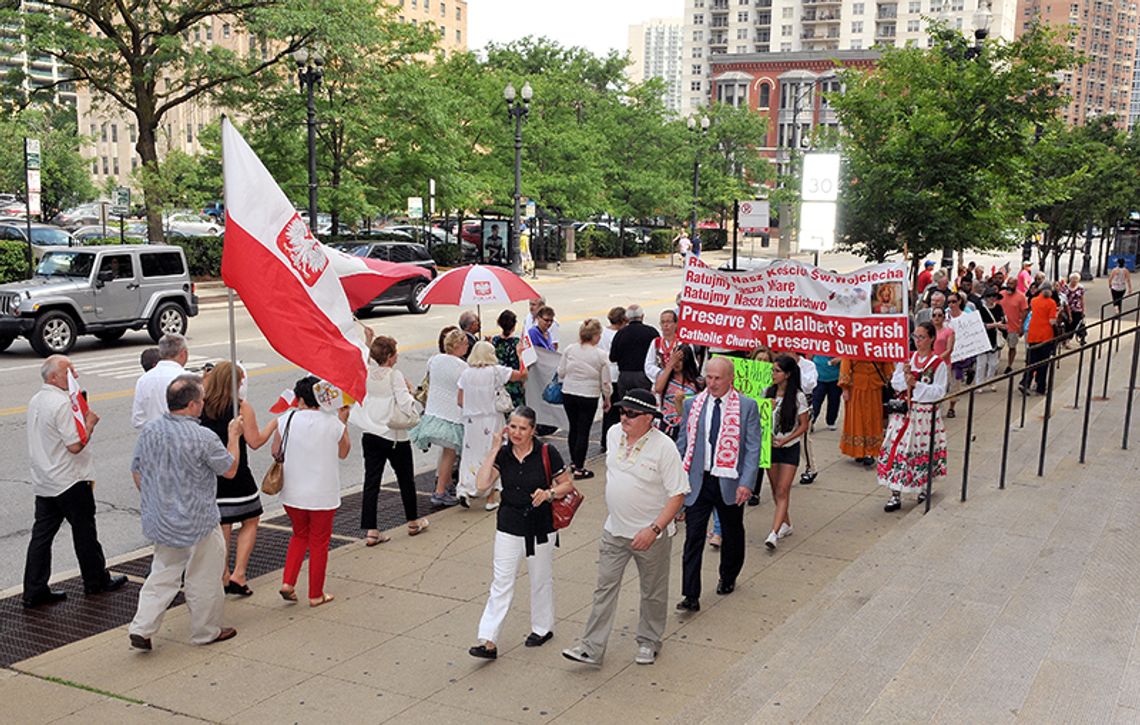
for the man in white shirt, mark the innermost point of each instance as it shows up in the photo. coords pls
(645, 488)
(62, 475)
(535, 305)
(150, 390)
(657, 355)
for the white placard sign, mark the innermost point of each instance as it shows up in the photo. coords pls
(970, 336)
(754, 214)
(817, 226)
(415, 207)
(820, 178)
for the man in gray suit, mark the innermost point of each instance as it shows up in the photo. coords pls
(719, 441)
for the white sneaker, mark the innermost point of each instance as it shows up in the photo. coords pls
(491, 505)
(831, 427)
(785, 530)
(770, 542)
(645, 655)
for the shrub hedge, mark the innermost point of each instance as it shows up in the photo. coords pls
(13, 261)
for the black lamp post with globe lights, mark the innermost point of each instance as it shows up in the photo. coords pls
(518, 110)
(696, 128)
(310, 71)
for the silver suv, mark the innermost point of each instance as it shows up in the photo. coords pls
(100, 290)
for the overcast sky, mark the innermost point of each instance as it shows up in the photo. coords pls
(598, 25)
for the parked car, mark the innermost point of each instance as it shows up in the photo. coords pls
(79, 216)
(324, 221)
(102, 291)
(216, 210)
(11, 206)
(44, 236)
(133, 231)
(395, 249)
(191, 224)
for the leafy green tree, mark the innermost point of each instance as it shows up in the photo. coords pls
(935, 143)
(65, 176)
(140, 56)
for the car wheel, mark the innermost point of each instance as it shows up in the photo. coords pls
(53, 334)
(5, 341)
(168, 319)
(110, 335)
(413, 305)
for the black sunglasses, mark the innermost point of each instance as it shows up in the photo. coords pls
(627, 413)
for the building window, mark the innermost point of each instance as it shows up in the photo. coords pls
(209, 31)
(694, 85)
(742, 49)
(115, 164)
(698, 36)
(698, 18)
(957, 5)
(788, 13)
(402, 19)
(114, 133)
(742, 33)
(697, 53)
(415, 4)
(786, 31)
(427, 5)
(94, 167)
(134, 163)
(189, 133)
(765, 95)
(106, 169)
(913, 26)
(442, 32)
(697, 70)
(857, 8)
(443, 10)
(94, 131)
(785, 47)
(414, 22)
(226, 30)
(857, 26)
(742, 16)
(458, 36)
(915, 7)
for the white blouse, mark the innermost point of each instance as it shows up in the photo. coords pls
(585, 371)
(923, 392)
(479, 386)
(373, 413)
(443, 375)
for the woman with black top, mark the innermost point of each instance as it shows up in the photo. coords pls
(239, 500)
(790, 420)
(531, 479)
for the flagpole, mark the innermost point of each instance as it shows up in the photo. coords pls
(233, 355)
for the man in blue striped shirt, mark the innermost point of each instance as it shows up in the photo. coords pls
(175, 465)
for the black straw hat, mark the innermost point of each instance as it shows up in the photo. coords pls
(639, 400)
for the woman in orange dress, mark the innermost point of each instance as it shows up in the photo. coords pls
(862, 383)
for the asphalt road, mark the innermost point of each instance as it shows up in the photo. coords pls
(109, 371)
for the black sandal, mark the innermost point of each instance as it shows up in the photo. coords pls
(582, 473)
(243, 590)
(482, 652)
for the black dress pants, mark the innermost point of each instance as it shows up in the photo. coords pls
(377, 452)
(1038, 375)
(580, 412)
(696, 529)
(76, 505)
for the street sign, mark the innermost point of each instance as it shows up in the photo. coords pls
(121, 201)
(817, 226)
(431, 197)
(31, 153)
(531, 210)
(820, 177)
(415, 207)
(754, 214)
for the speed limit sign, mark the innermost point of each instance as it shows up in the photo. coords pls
(820, 178)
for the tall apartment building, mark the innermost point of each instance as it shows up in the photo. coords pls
(1134, 111)
(1105, 33)
(716, 27)
(35, 72)
(113, 133)
(655, 49)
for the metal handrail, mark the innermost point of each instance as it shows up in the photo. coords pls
(1051, 362)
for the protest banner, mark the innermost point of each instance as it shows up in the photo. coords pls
(793, 306)
(752, 378)
(970, 336)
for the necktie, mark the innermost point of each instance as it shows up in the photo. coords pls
(714, 426)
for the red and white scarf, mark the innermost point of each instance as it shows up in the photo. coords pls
(664, 350)
(727, 451)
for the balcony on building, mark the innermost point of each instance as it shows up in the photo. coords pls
(885, 31)
(887, 11)
(814, 16)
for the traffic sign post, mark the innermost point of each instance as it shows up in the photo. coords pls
(32, 162)
(818, 196)
(754, 215)
(415, 207)
(121, 206)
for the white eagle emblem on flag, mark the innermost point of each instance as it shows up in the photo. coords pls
(304, 253)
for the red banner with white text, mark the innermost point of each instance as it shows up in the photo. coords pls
(791, 306)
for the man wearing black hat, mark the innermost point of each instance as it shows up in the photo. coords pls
(645, 488)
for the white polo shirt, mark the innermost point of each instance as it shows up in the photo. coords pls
(639, 484)
(51, 429)
(150, 392)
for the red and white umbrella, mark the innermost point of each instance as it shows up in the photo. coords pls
(476, 284)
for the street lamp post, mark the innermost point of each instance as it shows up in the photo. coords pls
(703, 129)
(517, 111)
(309, 73)
(983, 16)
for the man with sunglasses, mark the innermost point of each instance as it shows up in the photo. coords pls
(645, 488)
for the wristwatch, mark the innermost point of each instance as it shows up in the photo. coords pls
(551, 490)
(656, 529)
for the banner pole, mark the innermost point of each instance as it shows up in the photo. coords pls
(233, 354)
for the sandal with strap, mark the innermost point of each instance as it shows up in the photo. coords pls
(374, 539)
(415, 528)
(288, 595)
(325, 599)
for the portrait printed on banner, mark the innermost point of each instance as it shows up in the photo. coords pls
(495, 234)
(887, 298)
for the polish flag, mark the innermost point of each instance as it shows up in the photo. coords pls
(283, 274)
(78, 406)
(364, 278)
(527, 355)
(285, 401)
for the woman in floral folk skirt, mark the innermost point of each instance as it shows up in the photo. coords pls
(905, 461)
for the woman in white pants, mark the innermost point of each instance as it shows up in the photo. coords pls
(532, 474)
(993, 317)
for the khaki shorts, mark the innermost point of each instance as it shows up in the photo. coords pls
(1011, 339)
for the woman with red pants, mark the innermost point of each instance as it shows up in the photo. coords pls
(313, 440)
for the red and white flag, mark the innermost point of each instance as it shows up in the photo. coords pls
(283, 274)
(285, 401)
(78, 406)
(527, 355)
(364, 278)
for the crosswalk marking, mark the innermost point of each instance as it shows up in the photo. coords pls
(123, 368)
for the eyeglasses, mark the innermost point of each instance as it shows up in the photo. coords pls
(627, 413)
(954, 302)
(547, 319)
(937, 314)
